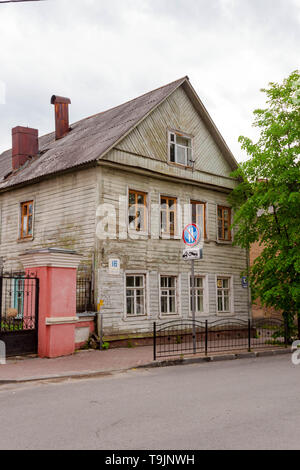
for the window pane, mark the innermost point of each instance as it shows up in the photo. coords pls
(131, 198)
(220, 229)
(141, 199)
(164, 222)
(189, 157)
(182, 141)
(140, 305)
(194, 213)
(172, 223)
(172, 304)
(130, 306)
(130, 281)
(181, 155)
(220, 309)
(139, 222)
(164, 304)
(139, 281)
(226, 303)
(25, 225)
(172, 152)
(30, 225)
(199, 303)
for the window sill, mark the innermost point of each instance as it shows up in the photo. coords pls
(137, 234)
(135, 317)
(180, 165)
(199, 314)
(225, 314)
(224, 242)
(165, 316)
(24, 240)
(169, 237)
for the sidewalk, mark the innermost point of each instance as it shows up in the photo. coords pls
(92, 363)
(83, 363)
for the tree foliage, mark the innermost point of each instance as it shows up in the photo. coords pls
(267, 200)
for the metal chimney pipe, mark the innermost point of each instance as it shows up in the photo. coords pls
(61, 115)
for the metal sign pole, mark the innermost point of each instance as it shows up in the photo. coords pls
(193, 307)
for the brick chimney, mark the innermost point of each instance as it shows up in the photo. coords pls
(61, 115)
(24, 145)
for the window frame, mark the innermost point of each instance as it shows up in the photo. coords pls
(177, 298)
(204, 204)
(224, 240)
(146, 212)
(168, 234)
(21, 236)
(205, 295)
(145, 289)
(191, 147)
(230, 312)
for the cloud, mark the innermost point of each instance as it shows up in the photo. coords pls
(101, 54)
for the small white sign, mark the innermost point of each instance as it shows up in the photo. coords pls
(192, 253)
(114, 266)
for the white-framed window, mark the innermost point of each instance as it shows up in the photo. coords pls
(180, 148)
(135, 295)
(168, 295)
(224, 294)
(200, 294)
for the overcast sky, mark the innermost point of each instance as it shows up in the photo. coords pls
(101, 53)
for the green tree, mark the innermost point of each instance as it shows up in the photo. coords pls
(267, 200)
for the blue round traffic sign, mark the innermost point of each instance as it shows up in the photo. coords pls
(191, 235)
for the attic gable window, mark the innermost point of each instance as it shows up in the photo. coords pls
(180, 149)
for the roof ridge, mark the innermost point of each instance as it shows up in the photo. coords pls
(182, 79)
(132, 100)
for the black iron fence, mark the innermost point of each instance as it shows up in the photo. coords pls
(84, 295)
(19, 302)
(183, 337)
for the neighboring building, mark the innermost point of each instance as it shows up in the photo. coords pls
(158, 162)
(258, 311)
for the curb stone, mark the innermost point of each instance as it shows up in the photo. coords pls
(165, 363)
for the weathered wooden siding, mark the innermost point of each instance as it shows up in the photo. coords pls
(149, 139)
(64, 216)
(157, 256)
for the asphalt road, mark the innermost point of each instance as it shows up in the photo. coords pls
(242, 404)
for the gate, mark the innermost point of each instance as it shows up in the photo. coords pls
(19, 301)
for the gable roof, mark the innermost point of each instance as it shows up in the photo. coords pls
(92, 137)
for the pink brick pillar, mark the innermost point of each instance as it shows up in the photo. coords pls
(56, 269)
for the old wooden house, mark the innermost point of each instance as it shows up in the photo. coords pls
(119, 187)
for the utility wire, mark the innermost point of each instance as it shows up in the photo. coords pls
(17, 1)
